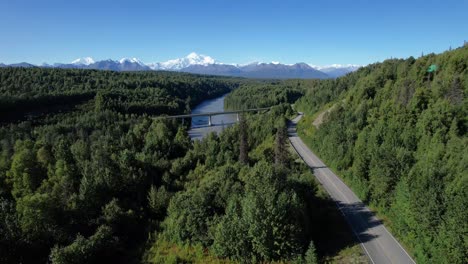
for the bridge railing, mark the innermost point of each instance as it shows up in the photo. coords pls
(218, 113)
(210, 114)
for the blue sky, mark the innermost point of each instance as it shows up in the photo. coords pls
(316, 32)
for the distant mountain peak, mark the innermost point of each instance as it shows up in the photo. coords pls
(131, 60)
(337, 70)
(203, 64)
(180, 63)
(83, 61)
(337, 66)
(199, 59)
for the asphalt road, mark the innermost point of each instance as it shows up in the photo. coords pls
(377, 242)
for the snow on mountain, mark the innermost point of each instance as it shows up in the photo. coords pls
(83, 61)
(336, 66)
(203, 64)
(132, 60)
(337, 70)
(177, 64)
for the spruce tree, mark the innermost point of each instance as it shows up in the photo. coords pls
(243, 144)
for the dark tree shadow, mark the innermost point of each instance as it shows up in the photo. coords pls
(336, 225)
(333, 232)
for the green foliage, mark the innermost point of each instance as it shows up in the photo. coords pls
(87, 250)
(189, 215)
(158, 200)
(243, 145)
(311, 255)
(257, 94)
(163, 252)
(85, 180)
(24, 174)
(31, 91)
(263, 221)
(281, 151)
(399, 136)
(245, 212)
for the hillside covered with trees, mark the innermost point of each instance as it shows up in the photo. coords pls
(397, 133)
(29, 92)
(89, 175)
(80, 154)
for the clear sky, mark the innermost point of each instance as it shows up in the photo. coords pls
(235, 31)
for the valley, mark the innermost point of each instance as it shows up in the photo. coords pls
(93, 169)
(218, 132)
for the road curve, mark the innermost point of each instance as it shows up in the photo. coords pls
(377, 242)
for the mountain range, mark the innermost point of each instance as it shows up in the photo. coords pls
(202, 64)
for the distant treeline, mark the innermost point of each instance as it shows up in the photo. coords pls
(26, 90)
(255, 94)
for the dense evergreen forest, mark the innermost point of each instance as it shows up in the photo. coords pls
(75, 181)
(87, 175)
(396, 132)
(248, 207)
(256, 94)
(32, 91)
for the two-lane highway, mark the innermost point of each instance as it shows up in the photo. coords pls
(377, 242)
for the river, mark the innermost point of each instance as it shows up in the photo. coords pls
(199, 127)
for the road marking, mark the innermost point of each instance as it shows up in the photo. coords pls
(346, 218)
(297, 144)
(380, 225)
(398, 243)
(362, 222)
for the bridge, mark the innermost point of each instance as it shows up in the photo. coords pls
(210, 114)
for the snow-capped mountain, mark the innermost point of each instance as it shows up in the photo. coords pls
(132, 60)
(83, 61)
(124, 64)
(259, 70)
(180, 63)
(337, 70)
(203, 64)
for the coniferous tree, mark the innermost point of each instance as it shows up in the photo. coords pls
(281, 151)
(243, 144)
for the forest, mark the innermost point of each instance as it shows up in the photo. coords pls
(264, 93)
(90, 174)
(75, 178)
(30, 92)
(397, 134)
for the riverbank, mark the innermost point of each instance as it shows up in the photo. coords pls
(199, 126)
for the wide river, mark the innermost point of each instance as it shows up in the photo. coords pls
(200, 128)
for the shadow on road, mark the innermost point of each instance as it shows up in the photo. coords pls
(318, 167)
(360, 218)
(333, 233)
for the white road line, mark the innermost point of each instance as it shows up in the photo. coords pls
(313, 161)
(339, 208)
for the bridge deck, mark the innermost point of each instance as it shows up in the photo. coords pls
(217, 113)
